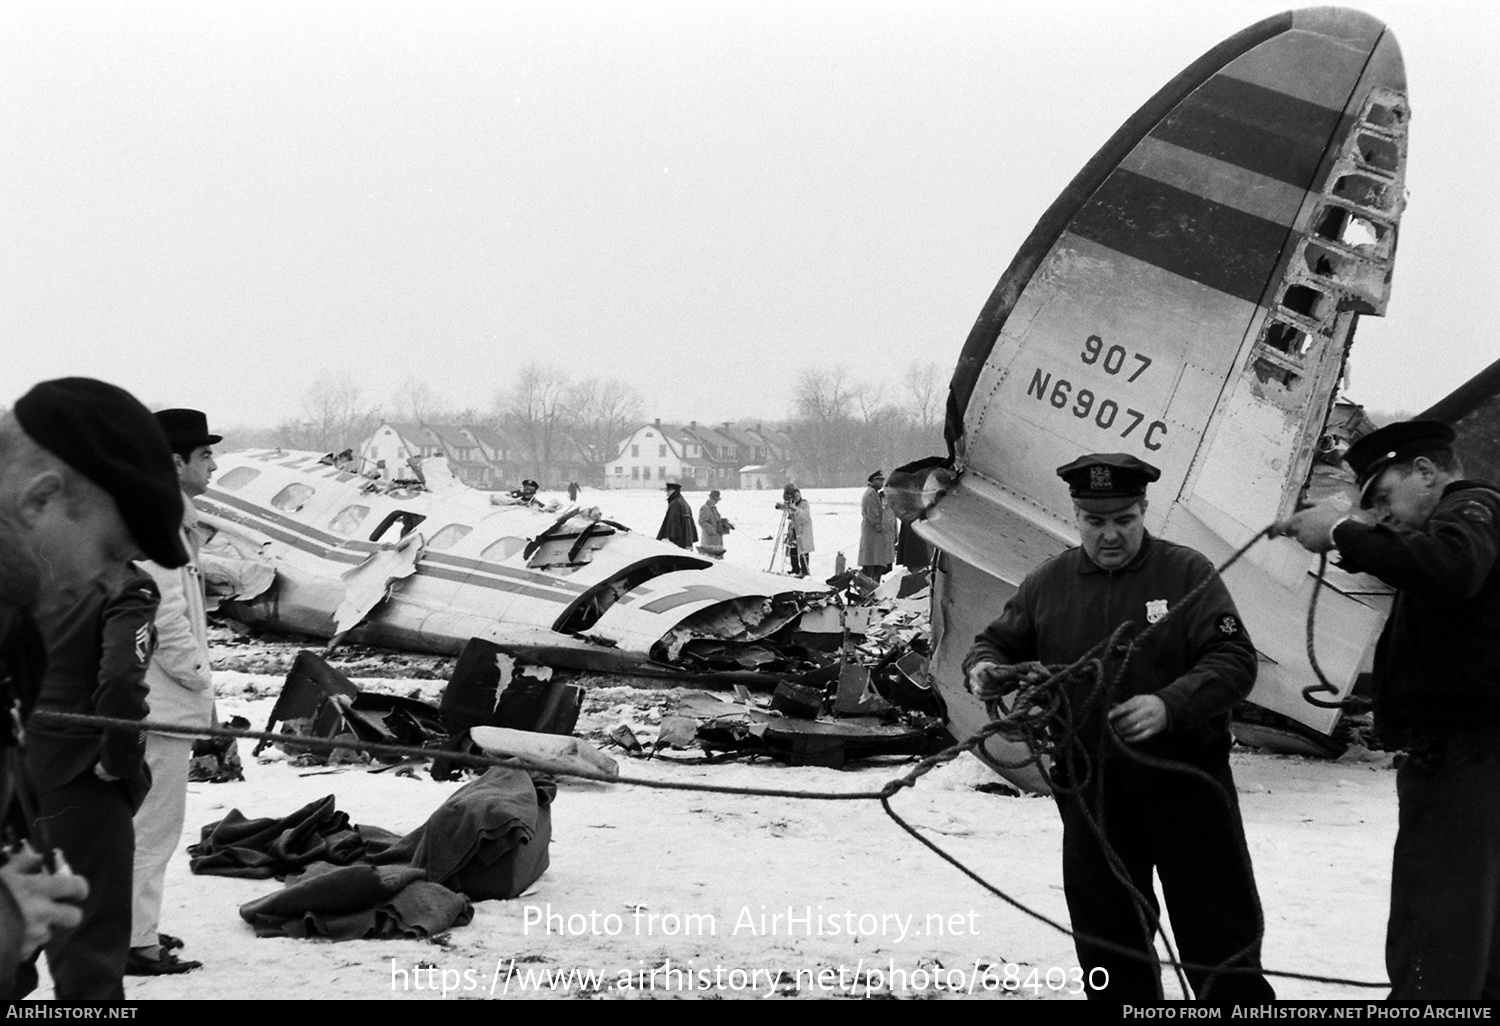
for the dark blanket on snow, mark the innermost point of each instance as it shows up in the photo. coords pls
(489, 839)
(354, 902)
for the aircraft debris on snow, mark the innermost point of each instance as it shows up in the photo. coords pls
(300, 544)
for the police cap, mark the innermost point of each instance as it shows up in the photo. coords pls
(1106, 482)
(1370, 455)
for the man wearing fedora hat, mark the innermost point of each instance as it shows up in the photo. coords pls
(86, 483)
(1434, 536)
(714, 526)
(1141, 772)
(182, 695)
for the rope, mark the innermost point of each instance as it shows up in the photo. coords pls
(1037, 709)
(1323, 687)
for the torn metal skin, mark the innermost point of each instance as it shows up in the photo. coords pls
(427, 565)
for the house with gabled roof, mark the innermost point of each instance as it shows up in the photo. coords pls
(656, 453)
(477, 456)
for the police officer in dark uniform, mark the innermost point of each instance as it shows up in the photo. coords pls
(1433, 536)
(88, 782)
(1134, 768)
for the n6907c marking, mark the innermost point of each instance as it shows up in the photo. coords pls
(1105, 414)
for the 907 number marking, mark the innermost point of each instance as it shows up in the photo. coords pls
(1113, 358)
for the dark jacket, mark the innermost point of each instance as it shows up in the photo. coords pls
(98, 648)
(1201, 663)
(1437, 664)
(23, 660)
(677, 526)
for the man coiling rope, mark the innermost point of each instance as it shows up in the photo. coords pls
(1139, 757)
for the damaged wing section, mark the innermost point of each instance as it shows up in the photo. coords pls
(308, 547)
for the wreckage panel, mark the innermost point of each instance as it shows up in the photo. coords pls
(642, 616)
(983, 525)
(965, 600)
(1117, 355)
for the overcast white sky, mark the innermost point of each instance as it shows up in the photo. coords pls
(213, 204)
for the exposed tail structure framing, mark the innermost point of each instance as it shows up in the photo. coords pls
(1191, 298)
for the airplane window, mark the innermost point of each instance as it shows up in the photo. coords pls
(503, 549)
(293, 497)
(237, 478)
(348, 519)
(449, 536)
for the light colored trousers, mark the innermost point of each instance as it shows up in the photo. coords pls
(158, 831)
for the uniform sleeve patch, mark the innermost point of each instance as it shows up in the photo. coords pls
(1477, 512)
(1228, 625)
(145, 643)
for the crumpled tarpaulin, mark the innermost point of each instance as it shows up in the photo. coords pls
(489, 839)
(355, 902)
(259, 849)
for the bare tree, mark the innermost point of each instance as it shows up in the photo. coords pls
(878, 440)
(534, 413)
(822, 425)
(924, 387)
(332, 416)
(414, 400)
(601, 413)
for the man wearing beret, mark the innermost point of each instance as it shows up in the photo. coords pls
(1425, 530)
(1149, 764)
(182, 695)
(86, 483)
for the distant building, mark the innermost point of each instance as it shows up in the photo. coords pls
(758, 478)
(654, 454)
(478, 456)
(700, 456)
(393, 448)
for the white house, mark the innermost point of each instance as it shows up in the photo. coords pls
(393, 446)
(655, 454)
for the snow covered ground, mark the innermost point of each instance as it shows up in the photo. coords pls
(681, 894)
(755, 517)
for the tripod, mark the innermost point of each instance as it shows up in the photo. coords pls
(780, 534)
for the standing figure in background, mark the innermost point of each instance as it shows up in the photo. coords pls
(714, 526)
(677, 526)
(182, 694)
(799, 530)
(877, 537)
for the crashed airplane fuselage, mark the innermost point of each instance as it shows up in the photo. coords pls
(427, 566)
(1190, 298)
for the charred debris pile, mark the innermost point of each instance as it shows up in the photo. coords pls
(847, 681)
